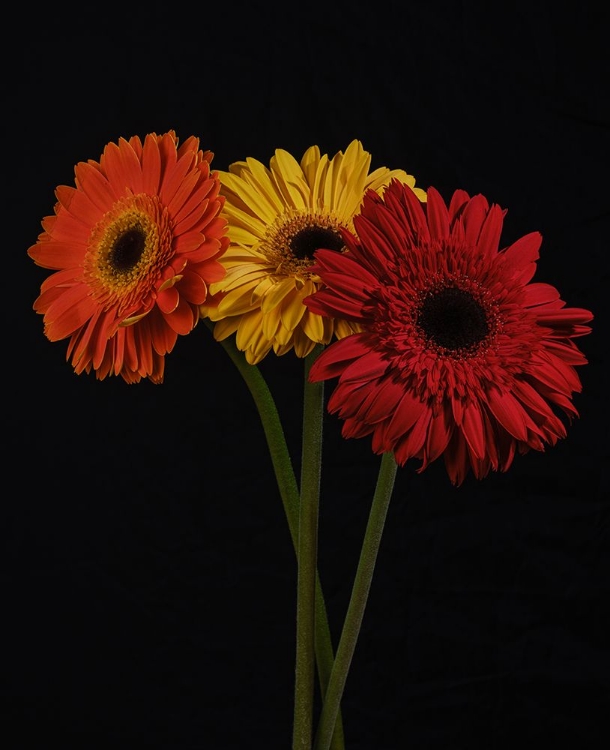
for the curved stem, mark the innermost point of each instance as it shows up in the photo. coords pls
(289, 494)
(311, 464)
(358, 600)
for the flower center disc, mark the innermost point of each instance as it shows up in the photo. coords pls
(453, 319)
(291, 244)
(127, 250)
(305, 242)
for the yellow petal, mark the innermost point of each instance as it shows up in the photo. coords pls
(309, 164)
(276, 294)
(293, 310)
(271, 323)
(237, 302)
(313, 327)
(261, 205)
(261, 179)
(225, 328)
(290, 179)
(241, 275)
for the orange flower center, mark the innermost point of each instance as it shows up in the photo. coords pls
(128, 249)
(290, 243)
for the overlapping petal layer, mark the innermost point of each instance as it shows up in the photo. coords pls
(458, 353)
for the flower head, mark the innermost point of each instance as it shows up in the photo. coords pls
(277, 217)
(134, 246)
(458, 353)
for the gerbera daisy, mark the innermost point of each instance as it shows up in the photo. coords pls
(134, 246)
(458, 354)
(277, 217)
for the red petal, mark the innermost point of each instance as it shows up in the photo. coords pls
(329, 261)
(333, 360)
(519, 259)
(554, 372)
(439, 433)
(438, 215)
(408, 411)
(532, 399)
(473, 217)
(473, 429)
(457, 203)
(368, 366)
(508, 412)
(381, 402)
(378, 245)
(565, 316)
(456, 458)
(539, 294)
(347, 399)
(328, 304)
(491, 231)
(567, 351)
(402, 204)
(409, 446)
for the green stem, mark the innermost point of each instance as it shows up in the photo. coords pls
(357, 604)
(289, 493)
(311, 463)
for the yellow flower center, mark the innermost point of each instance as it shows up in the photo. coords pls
(290, 243)
(128, 249)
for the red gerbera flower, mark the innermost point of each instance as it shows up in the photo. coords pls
(459, 354)
(134, 247)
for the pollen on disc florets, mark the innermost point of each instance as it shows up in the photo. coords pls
(290, 243)
(457, 318)
(127, 250)
(452, 316)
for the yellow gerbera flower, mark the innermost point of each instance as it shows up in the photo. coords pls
(277, 217)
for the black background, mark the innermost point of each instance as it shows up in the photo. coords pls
(147, 575)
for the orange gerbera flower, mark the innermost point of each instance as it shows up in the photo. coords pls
(134, 247)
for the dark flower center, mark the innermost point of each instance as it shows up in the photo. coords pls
(307, 240)
(453, 319)
(127, 250)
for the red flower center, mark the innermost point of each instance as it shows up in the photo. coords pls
(453, 319)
